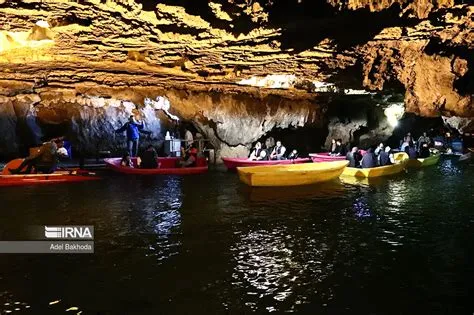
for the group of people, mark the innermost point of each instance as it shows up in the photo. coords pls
(148, 159)
(380, 156)
(271, 151)
(337, 148)
(420, 150)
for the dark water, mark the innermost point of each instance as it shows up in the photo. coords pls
(207, 245)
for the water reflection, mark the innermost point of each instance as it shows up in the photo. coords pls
(327, 190)
(265, 262)
(160, 218)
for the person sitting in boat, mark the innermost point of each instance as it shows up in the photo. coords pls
(369, 160)
(332, 149)
(424, 151)
(411, 151)
(149, 158)
(340, 149)
(190, 158)
(385, 157)
(379, 149)
(44, 160)
(354, 157)
(133, 129)
(293, 155)
(126, 160)
(255, 154)
(278, 152)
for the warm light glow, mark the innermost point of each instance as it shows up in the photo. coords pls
(394, 113)
(42, 23)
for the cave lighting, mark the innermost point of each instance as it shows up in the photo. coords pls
(161, 103)
(394, 113)
(272, 81)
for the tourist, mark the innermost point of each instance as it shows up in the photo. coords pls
(369, 160)
(255, 154)
(188, 138)
(190, 159)
(293, 155)
(126, 160)
(149, 158)
(411, 151)
(354, 157)
(269, 145)
(379, 149)
(332, 149)
(423, 139)
(278, 152)
(133, 129)
(408, 138)
(263, 155)
(424, 151)
(385, 157)
(340, 149)
(44, 160)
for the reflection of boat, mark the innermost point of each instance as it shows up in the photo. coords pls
(362, 181)
(167, 165)
(291, 175)
(233, 163)
(58, 177)
(431, 160)
(400, 159)
(326, 190)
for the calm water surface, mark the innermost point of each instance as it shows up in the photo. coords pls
(206, 245)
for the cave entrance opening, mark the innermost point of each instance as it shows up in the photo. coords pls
(305, 139)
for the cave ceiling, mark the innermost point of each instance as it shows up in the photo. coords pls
(422, 49)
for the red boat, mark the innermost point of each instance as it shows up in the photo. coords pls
(166, 166)
(58, 177)
(233, 163)
(325, 157)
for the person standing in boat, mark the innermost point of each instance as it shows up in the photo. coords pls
(256, 152)
(44, 159)
(423, 139)
(133, 129)
(278, 152)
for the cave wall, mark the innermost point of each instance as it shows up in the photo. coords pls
(231, 121)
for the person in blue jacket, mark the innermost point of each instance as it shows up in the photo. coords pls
(133, 129)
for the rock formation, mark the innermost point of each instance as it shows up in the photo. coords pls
(79, 62)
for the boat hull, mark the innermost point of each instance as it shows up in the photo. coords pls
(58, 177)
(233, 163)
(431, 160)
(167, 167)
(291, 175)
(325, 157)
(401, 158)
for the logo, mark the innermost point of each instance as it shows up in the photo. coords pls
(69, 232)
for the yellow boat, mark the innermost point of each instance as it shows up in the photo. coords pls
(291, 174)
(431, 160)
(401, 160)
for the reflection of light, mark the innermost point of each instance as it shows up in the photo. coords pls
(394, 113)
(361, 208)
(273, 81)
(265, 262)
